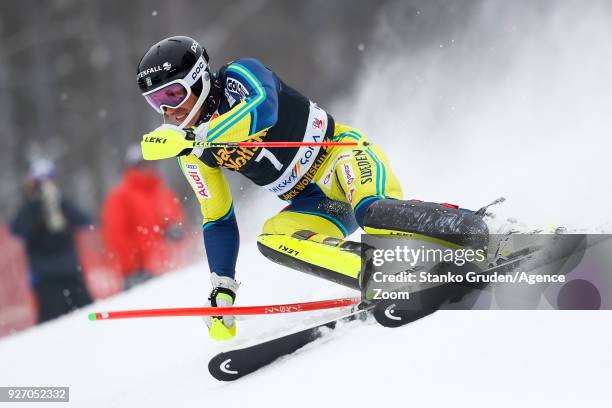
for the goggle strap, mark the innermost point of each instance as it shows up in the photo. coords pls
(198, 105)
(196, 71)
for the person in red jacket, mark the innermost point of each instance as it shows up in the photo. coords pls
(140, 217)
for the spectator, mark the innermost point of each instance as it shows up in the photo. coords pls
(140, 216)
(47, 223)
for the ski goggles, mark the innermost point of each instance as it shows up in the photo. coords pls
(175, 93)
(171, 95)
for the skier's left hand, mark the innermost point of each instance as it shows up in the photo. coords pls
(223, 295)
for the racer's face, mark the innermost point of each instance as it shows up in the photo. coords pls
(179, 114)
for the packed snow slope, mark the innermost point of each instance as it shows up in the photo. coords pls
(453, 358)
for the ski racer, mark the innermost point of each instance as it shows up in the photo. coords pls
(330, 191)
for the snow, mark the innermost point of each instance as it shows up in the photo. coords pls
(454, 357)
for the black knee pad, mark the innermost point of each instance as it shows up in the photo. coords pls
(458, 226)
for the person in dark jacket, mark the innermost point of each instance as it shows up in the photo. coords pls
(47, 224)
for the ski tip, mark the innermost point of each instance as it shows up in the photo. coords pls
(92, 316)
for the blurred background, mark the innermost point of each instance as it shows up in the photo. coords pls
(472, 100)
(68, 69)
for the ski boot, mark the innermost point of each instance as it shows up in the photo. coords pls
(426, 225)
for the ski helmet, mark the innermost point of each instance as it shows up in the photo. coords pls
(171, 70)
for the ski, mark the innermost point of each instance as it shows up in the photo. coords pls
(396, 313)
(233, 364)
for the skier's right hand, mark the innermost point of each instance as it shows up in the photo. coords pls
(223, 294)
(170, 140)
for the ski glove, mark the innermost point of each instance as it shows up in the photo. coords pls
(223, 295)
(171, 141)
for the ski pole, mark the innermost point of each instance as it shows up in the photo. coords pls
(227, 311)
(273, 144)
(165, 144)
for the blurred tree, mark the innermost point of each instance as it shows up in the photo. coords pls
(67, 72)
